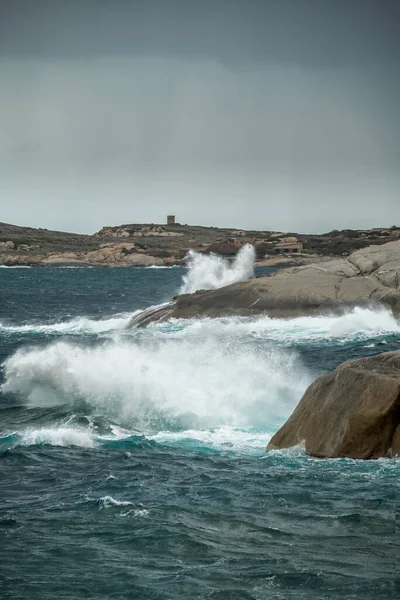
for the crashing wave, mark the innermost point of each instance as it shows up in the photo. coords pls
(358, 324)
(155, 383)
(211, 271)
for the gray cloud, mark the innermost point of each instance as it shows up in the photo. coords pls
(259, 114)
(326, 32)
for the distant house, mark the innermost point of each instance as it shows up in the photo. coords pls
(289, 248)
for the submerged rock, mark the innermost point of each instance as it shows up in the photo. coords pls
(352, 412)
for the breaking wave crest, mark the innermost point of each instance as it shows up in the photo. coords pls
(222, 438)
(358, 324)
(49, 436)
(164, 267)
(77, 326)
(185, 375)
(211, 271)
(162, 384)
(362, 323)
(195, 384)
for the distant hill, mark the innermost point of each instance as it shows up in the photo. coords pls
(169, 243)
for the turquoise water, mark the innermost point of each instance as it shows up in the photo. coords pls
(133, 464)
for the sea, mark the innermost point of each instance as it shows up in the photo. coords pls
(133, 462)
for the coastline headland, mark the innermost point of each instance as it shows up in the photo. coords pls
(142, 245)
(368, 277)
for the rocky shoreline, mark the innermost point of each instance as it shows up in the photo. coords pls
(368, 277)
(143, 245)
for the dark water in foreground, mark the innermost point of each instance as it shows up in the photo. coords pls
(132, 462)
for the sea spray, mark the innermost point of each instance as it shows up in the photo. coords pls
(358, 324)
(163, 384)
(362, 323)
(211, 271)
(58, 436)
(185, 374)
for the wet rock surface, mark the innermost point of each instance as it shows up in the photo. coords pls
(353, 412)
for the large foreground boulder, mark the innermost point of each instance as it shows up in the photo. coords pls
(368, 277)
(352, 412)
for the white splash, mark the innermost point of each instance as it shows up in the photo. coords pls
(222, 438)
(210, 271)
(58, 436)
(107, 501)
(110, 502)
(189, 374)
(359, 324)
(213, 382)
(157, 383)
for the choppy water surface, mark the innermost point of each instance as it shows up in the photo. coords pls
(132, 462)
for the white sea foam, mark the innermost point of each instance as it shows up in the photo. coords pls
(212, 382)
(211, 271)
(194, 375)
(222, 438)
(75, 326)
(110, 502)
(58, 436)
(360, 323)
(107, 501)
(138, 512)
(159, 384)
(15, 267)
(164, 267)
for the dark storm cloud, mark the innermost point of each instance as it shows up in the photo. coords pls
(320, 32)
(245, 113)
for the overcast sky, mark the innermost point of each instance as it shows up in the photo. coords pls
(262, 114)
